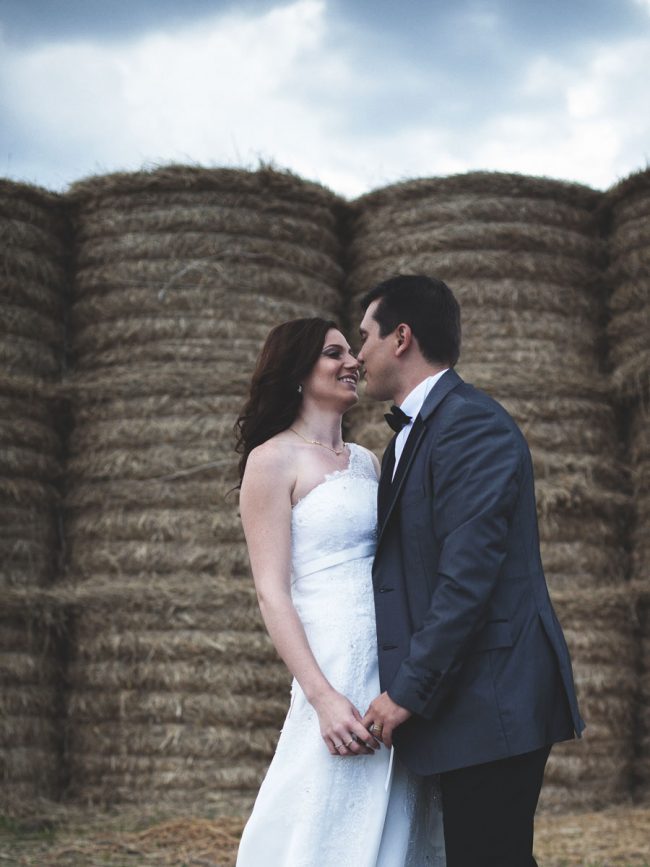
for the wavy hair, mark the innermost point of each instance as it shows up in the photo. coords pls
(289, 354)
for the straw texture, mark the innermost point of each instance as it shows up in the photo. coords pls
(33, 243)
(30, 707)
(626, 211)
(600, 629)
(524, 258)
(642, 763)
(33, 288)
(174, 693)
(626, 214)
(180, 274)
(178, 694)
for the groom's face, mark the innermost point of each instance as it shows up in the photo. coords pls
(377, 357)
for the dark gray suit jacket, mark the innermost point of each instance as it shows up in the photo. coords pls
(467, 636)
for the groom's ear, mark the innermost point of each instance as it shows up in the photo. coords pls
(403, 338)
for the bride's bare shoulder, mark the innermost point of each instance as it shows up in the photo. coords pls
(274, 458)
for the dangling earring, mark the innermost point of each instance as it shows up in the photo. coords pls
(300, 389)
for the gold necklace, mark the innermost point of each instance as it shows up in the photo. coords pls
(317, 443)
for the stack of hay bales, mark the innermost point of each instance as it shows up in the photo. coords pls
(523, 257)
(176, 692)
(32, 303)
(626, 212)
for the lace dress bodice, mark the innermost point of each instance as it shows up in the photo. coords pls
(334, 525)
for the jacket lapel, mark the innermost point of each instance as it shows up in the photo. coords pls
(410, 447)
(389, 493)
(385, 481)
(447, 382)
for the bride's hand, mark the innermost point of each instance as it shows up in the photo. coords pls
(341, 728)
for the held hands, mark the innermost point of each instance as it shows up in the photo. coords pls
(341, 727)
(385, 715)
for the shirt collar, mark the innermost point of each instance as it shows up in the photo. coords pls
(412, 403)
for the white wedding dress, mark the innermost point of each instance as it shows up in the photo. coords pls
(314, 809)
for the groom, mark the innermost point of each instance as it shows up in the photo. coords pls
(475, 672)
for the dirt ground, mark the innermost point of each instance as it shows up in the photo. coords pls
(617, 837)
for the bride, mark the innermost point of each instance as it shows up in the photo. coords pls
(333, 796)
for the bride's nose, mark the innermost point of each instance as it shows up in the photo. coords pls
(352, 362)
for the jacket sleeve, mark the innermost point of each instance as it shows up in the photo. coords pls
(476, 463)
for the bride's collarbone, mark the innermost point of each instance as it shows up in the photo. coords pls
(313, 471)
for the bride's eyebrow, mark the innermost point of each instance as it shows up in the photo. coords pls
(335, 346)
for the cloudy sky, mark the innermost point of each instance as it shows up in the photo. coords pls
(353, 93)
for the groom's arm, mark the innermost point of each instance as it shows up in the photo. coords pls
(476, 463)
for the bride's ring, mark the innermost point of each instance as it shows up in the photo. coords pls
(351, 741)
(338, 746)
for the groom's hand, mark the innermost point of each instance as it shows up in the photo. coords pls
(384, 712)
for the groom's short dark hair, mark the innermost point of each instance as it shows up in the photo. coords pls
(427, 305)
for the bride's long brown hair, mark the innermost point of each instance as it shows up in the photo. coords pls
(289, 353)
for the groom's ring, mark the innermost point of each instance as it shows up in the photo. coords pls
(376, 728)
(351, 741)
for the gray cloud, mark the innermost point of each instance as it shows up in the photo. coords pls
(27, 22)
(449, 63)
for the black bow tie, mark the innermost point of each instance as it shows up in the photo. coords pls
(397, 418)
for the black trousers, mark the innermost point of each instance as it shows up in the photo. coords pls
(489, 810)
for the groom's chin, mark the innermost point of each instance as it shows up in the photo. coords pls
(371, 394)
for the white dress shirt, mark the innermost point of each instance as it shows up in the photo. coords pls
(411, 405)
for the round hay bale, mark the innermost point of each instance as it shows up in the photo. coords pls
(172, 305)
(179, 677)
(599, 626)
(626, 214)
(525, 258)
(33, 291)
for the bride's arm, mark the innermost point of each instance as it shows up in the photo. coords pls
(265, 506)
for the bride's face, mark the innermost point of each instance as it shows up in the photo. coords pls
(335, 376)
